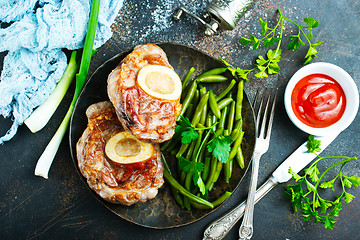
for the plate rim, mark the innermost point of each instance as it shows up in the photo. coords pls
(74, 157)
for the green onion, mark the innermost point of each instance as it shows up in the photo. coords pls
(41, 116)
(43, 165)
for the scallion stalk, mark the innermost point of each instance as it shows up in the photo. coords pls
(43, 165)
(42, 114)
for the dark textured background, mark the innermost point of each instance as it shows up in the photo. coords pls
(62, 206)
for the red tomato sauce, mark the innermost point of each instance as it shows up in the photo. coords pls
(318, 100)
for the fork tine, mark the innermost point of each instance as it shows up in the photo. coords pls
(271, 115)
(259, 110)
(265, 116)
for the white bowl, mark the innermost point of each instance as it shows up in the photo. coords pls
(347, 84)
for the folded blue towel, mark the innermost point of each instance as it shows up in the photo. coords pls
(35, 61)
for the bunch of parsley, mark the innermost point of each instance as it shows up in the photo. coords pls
(308, 200)
(268, 64)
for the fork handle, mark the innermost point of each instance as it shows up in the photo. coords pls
(246, 228)
(219, 228)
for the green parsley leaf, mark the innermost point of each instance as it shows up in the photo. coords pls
(312, 23)
(245, 41)
(348, 197)
(261, 74)
(220, 147)
(313, 144)
(264, 27)
(352, 181)
(329, 184)
(188, 136)
(185, 130)
(184, 164)
(329, 223)
(313, 173)
(324, 205)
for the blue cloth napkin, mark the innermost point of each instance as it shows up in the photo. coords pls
(35, 62)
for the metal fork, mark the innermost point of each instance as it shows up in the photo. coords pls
(263, 133)
(219, 228)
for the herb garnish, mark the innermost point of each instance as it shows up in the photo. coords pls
(268, 65)
(219, 146)
(308, 199)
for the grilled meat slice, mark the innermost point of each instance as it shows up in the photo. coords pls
(118, 183)
(149, 118)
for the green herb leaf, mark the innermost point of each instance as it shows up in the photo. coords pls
(329, 184)
(324, 205)
(329, 222)
(184, 165)
(198, 180)
(351, 181)
(220, 147)
(313, 173)
(313, 144)
(185, 130)
(312, 23)
(264, 27)
(245, 41)
(348, 197)
(188, 136)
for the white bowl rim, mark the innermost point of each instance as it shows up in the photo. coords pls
(346, 82)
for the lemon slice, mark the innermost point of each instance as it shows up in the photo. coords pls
(160, 82)
(125, 148)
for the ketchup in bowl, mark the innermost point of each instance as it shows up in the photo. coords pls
(318, 100)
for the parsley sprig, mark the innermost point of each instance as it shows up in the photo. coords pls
(219, 146)
(308, 198)
(268, 64)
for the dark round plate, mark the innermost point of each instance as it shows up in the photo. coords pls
(162, 212)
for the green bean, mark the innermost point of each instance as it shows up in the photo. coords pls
(231, 117)
(240, 158)
(165, 145)
(213, 166)
(175, 192)
(236, 145)
(221, 199)
(235, 134)
(239, 99)
(204, 114)
(238, 124)
(206, 171)
(213, 105)
(187, 77)
(211, 79)
(228, 170)
(219, 167)
(182, 150)
(214, 71)
(198, 109)
(226, 90)
(172, 145)
(197, 146)
(172, 181)
(173, 152)
(189, 111)
(190, 150)
(223, 103)
(177, 195)
(189, 96)
(202, 91)
(216, 203)
(223, 116)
